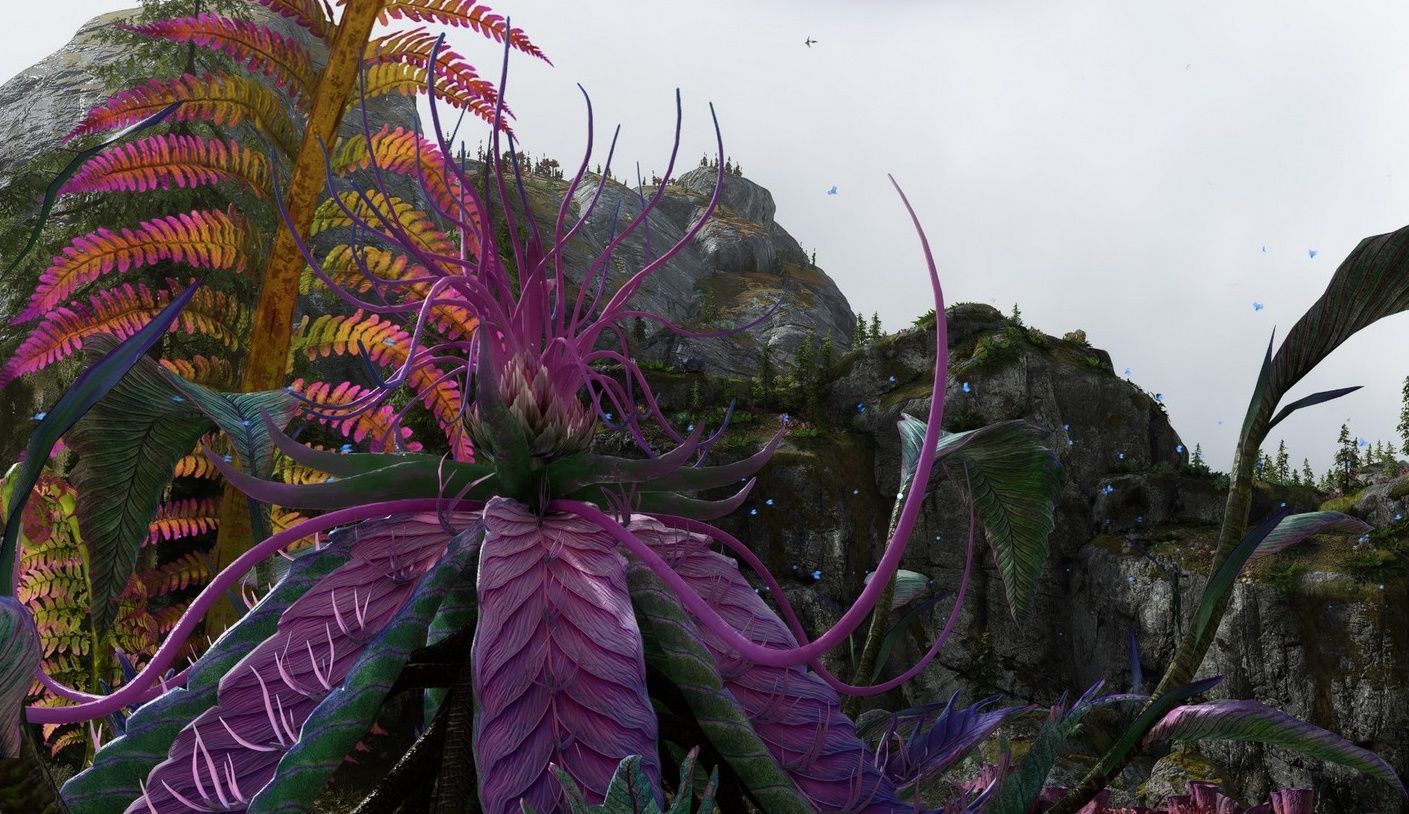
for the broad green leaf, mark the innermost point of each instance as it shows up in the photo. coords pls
(1257, 723)
(1370, 284)
(1222, 580)
(20, 654)
(114, 780)
(86, 391)
(346, 715)
(672, 646)
(1014, 482)
(1292, 530)
(127, 446)
(240, 417)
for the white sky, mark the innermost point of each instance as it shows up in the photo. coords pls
(1110, 166)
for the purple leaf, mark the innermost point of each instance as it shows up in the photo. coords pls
(932, 749)
(1292, 530)
(559, 674)
(794, 712)
(20, 653)
(1252, 721)
(230, 751)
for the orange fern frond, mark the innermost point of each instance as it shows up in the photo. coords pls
(195, 465)
(207, 238)
(461, 13)
(406, 153)
(409, 79)
(372, 426)
(211, 371)
(417, 225)
(383, 341)
(191, 568)
(184, 518)
(219, 98)
(340, 264)
(167, 160)
(122, 311)
(167, 617)
(307, 13)
(414, 47)
(256, 47)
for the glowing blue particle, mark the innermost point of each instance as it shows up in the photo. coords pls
(345, 448)
(753, 512)
(769, 501)
(1140, 521)
(1382, 586)
(1362, 442)
(755, 590)
(860, 408)
(939, 536)
(1311, 253)
(1398, 517)
(1284, 504)
(1130, 579)
(247, 422)
(1108, 489)
(288, 388)
(609, 417)
(1220, 422)
(892, 380)
(389, 342)
(330, 479)
(1107, 521)
(794, 566)
(227, 458)
(39, 416)
(1159, 397)
(1120, 455)
(785, 418)
(178, 399)
(833, 190)
(1264, 250)
(690, 428)
(1364, 538)
(967, 389)
(1066, 428)
(816, 575)
(1257, 306)
(1179, 448)
(856, 491)
(1127, 371)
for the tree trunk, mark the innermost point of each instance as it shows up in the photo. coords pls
(271, 334)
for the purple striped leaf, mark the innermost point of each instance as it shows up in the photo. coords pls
(559, 675)
(1255, 722)
(20, 653)
(931, 749)
(1295, 528)
(796, 714)
(229, 752)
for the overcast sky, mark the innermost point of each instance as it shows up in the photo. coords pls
(1111, 166)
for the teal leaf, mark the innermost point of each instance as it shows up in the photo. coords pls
(1257, 723)
(87, 390)
(1014, 482)
(20, 653)
(127, 446)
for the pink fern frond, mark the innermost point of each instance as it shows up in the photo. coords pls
(167, 160)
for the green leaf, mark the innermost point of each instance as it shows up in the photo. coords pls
(87, 390)
(1314, 398)
(1252, 721)
(1370, 284)
(630, 792)
(120, 767)
(1292, 530)
(1015, 483)
(240, 417)
(672, 646)
(348, 712)
(127, 447)
(1222, 580)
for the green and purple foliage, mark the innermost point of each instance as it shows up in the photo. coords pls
(577, 573)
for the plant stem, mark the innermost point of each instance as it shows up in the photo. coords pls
(26, 786)
(270, 335)
(880, 621)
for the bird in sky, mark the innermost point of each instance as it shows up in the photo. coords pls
(833, 190)
(808, 42)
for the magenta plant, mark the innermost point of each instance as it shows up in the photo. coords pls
(585, 585)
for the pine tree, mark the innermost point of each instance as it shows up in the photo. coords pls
(1264, 469)
(1307, 475)
(1283, 465)
(767, 376)
(1198, 459)
(1403, 427)
(1017, 316)
(876, 326)
(829, 354)
(1347, 459)
(696, 398)
(638, 332)
(858, 336)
